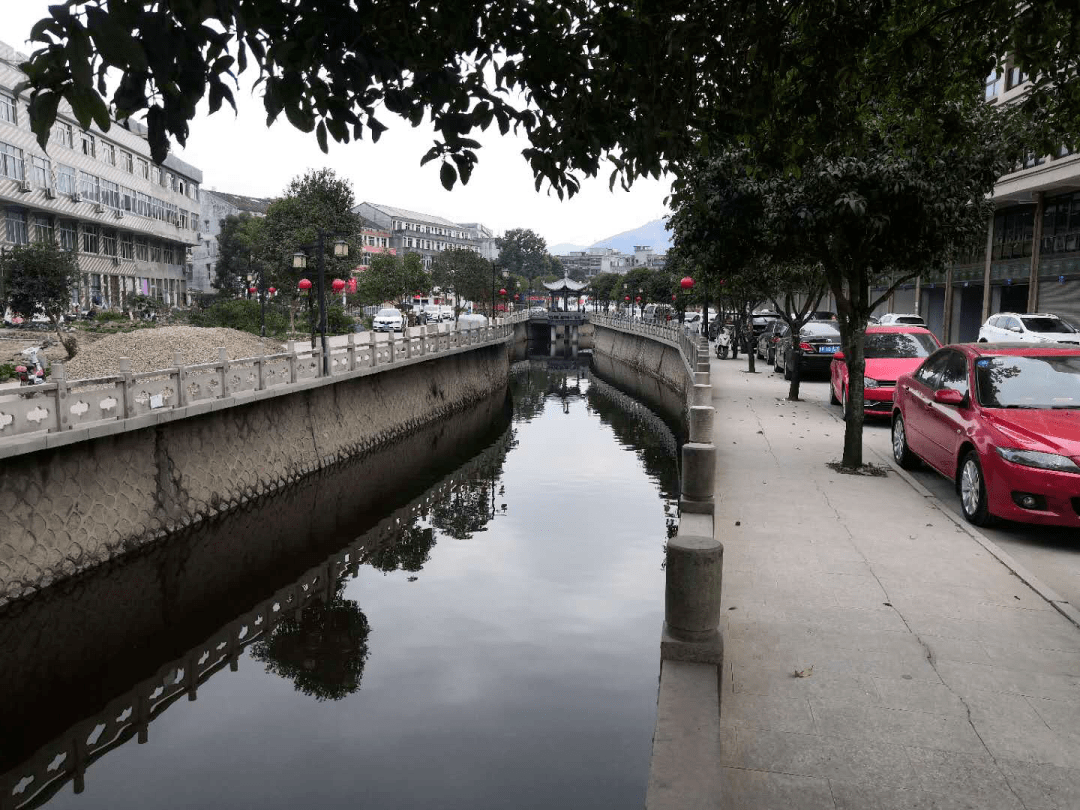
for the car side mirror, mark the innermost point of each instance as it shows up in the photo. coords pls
(1015, 329)
(949, 396)
(838, 356)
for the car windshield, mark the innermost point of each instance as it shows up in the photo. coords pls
(389, 313)
(899, 344)
(824, 330)
(1028, 382)
(1047, 325)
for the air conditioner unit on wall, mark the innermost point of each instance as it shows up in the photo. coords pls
(76, 196)
(50, 193)
(119, 213)
(99, 208)
(24, 185)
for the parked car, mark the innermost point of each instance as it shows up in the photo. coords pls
(889, 351)
(819, 341)
(1001, 420)
(766, 343)
(900, 319)
(388, 320)
(822, 315)
(432, 313)
(762, 321)
(1036, 327)
(446, 312)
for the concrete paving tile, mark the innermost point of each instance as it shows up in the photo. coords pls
(1030, 742)
(955, 649)
(964, 678)
(1001, 707)
(1062, 717)
(821, 684)
(954, 774)
(867, 796)
(1060, 662)
(922, 696)
(816, 755)
(947, 732)
(761, 790)
(780, 713)
(1043, 787)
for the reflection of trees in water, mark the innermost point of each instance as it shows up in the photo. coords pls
(533, 382)
(406, 549)
(634, 425)
(323, 652)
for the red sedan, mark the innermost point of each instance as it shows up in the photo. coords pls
(1002, 420)
(890, 351)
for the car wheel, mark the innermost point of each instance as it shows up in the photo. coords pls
(973, 491)
(901, 452)
(982, 340)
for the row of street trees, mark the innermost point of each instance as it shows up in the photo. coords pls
(856, 129)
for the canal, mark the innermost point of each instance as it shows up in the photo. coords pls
(467, 619)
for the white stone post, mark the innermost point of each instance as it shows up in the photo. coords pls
(181, 380)
(373, 342)
(290, 347)
(128, 384)
(57, 375)
(223, 361)
(693, 574)
(260, 367)
(352, 351)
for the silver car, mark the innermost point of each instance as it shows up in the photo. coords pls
(388, 320)
(1035, 327)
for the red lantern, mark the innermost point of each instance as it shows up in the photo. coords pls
(638, 299)
(673, 298)
(502, 292)
(252, 290)
(687, 283)
(272, 290)
(305, 284)
(337, 285)
(627, 298)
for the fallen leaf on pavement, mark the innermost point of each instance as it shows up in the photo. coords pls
(804, 673)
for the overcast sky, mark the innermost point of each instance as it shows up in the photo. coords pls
(240, 155)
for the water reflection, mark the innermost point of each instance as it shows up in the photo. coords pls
(523, 665)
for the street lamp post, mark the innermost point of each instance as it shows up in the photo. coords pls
(341, 249)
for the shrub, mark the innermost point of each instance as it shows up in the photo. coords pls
(243, 314)
(7, 370)
(110, 315)
(337, 322)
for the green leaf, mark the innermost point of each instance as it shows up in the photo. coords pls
(447, 176)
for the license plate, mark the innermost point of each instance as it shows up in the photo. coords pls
(828, 349)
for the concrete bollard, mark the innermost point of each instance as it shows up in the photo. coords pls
(701, 378)
(701, 395)
(694, 571)
(701, 424)
(698, 477)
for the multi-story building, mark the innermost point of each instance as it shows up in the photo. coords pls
(596, 260)
(130, 220)
(484, 237)
(215, 206)
(1031, 258)
(413, 232)
(376, 240)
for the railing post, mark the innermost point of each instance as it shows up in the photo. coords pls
(223, 360)
(129, 395)
(181, 379)
(390, 345)
(291, 349)
(62, 412)
(352, 351)
(407, 334)
(373, 342)
(260, 365)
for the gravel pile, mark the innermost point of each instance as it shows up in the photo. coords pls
(152, 349)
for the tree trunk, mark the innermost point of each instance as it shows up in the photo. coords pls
(796, 374)
(70, 344)
(855, 360)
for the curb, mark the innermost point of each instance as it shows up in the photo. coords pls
(1062, 606)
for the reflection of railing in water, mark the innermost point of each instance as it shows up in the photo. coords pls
(66, 759)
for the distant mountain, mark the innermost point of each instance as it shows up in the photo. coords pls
(651, 233)
(563, 248)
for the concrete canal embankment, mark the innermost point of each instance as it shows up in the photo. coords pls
(71, 507)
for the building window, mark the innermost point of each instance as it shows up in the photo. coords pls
(108, 153)
(16, 227)
(1014, 78)
(8, 110)
(127, 162)
(144, 168)
(142, 204)
(183, 219)
(110, 194)
(993, 84)
(169, 254)
(182, 186)
(64, 134)
(127, 199)
(89, 145)
(1013, 233)
(11, 162)
(65, 179)
(42, 177)
(142, 250)
(1061, 224)
(90, 186)
(43, 229)
(108, 242)
(89, 238)
(155, 252)
(127, 246)
(65, 229)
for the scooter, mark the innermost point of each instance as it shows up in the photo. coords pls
(35, 373)
(723, 344)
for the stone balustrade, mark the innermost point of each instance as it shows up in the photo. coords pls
(62, 410)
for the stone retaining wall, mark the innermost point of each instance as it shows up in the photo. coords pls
(69, 508)
(645, 355)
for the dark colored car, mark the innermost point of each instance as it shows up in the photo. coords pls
(1001, 420)
(766, 342)
(819, 341)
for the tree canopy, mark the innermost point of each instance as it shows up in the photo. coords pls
(238, 245)
(524, 252)
(464, 273)
(40, 277)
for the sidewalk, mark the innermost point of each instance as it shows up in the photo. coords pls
(876, 656)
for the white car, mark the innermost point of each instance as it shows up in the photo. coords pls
(388, 320)
(1037, 327)
(433, 313)
(900, 319)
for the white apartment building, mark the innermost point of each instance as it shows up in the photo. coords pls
(426, 234)
(131, 220)
(214, 206)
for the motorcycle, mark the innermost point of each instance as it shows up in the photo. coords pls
(33, 373)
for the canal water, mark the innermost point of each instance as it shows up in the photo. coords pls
(468, 619)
